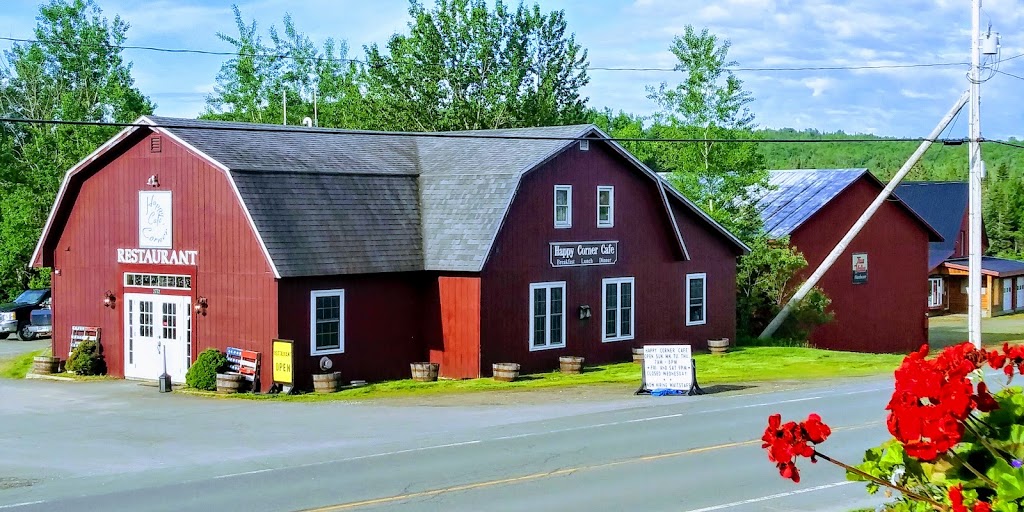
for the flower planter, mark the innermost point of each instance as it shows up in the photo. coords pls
(326, 382)
(505, 372)
(638, 355)
(424, 372)
(570, 364)
(719, 346)
(229, 383)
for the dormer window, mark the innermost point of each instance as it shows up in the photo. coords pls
(563, 206)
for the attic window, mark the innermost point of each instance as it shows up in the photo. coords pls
(155, 145)
(584, 145)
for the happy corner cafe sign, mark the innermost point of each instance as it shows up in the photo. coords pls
(668, 369)
(580, 254)
(155, 234)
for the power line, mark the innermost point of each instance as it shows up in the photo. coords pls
(1018, 77)
(446, 135)
(1004, 143)
(365, 63)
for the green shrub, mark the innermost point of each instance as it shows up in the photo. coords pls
(203, 373)
(87, 359)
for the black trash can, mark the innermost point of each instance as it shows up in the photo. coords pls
(165, 383)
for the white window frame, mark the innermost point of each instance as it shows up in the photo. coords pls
(611, 206)
(941, 289)
(618, 281)
(313, 295)
(568, 206)
(704, 296)
(547, 316)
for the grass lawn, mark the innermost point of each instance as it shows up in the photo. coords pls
(740, 365)
(952, 329)
(17, 367)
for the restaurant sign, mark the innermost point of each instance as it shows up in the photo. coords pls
(579, 254)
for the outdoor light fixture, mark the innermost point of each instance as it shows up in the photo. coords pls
(201, 305)
(109, 299)
(584, 312)
(153, 181)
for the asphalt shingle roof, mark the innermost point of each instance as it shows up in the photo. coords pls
(941, 204)
(332, 202)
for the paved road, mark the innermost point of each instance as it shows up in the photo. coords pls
(123, 446)
(12, 346)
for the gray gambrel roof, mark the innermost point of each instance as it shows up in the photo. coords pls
(328, 202)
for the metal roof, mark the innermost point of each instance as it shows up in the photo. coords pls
(796, 195)
(997, 267)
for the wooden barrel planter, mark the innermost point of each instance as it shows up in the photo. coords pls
(45, 365)
(229, 383)
(424, 372)
(719, 346)
(638, 355)
(570, 364)
(326, 382)
(505, 372)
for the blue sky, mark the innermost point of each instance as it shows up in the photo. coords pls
(637, 33)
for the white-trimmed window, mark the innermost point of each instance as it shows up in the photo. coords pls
(605, 207)
(617, 309)
(696, 299)
(326, 322)
(563, 206)
(547, 315)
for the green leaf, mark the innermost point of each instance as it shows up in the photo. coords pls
(1009, 481)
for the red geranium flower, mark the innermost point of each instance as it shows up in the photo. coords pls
(785, 441)
(788, 470)
(956, 498)
(983, 400)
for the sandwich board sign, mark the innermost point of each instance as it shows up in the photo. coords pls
(284, 369)
(671, 368)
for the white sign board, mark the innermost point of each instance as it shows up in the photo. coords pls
(668, 367)
(155, 220)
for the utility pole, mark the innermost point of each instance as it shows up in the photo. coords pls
(974, 178)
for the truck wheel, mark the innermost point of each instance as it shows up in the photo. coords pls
(24, 334)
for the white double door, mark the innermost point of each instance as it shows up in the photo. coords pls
(157, 332)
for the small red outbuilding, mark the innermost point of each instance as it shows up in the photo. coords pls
(375, 250)
(877, 286)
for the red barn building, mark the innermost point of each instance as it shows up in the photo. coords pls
(376, 250)
(877, 286)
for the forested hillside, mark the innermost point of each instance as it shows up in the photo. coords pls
(1004, 183)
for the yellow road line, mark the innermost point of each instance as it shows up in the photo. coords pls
(536, 476)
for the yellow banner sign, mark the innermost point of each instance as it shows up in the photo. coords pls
(283, 368)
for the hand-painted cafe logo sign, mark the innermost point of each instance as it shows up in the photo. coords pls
(155, 234)
(579, 254)
(155, 220)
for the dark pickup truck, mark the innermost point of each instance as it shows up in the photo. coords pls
(16, 316)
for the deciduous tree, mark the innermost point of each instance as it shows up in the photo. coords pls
(73, 71)
(709, 103)
(464, 66)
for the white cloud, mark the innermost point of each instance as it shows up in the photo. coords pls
(919, 95)
(819, 84)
